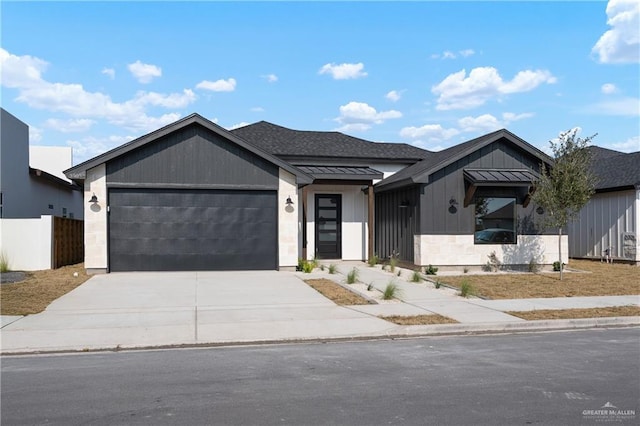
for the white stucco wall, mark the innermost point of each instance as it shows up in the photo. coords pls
(26, 243)
(459, 250)
(354, 219)
(95, 220)
(287, 221)
(51, 159)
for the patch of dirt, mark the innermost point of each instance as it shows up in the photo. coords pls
(336, 293)
(419, 319)
(39, 289)
(616, 311)
(591, 278)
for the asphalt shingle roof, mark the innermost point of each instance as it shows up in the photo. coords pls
(616, 171)
(284, 142)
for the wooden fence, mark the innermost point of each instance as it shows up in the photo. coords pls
(68, 241)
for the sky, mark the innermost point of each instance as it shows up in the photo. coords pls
(432, 74)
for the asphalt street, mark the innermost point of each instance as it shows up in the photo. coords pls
(554, 378)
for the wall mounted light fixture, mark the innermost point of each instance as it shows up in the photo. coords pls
(452, 205)
(289, 201)
(93, 199)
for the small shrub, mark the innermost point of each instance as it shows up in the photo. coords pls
(430, 270)
(494, 263)
(391, 291)
(534, 266)
(352, 276)
(4, 262)
(465, 269)
(556, 266)
(393, 262)
(301, 262)
(487, 267)
(332, 269)
(307, 267)
(416, 277)
(314, 262)
(438, 284)
(466, 289)
(373, 260)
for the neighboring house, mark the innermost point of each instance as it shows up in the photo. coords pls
(32, 182)
(610, 220)
(194, 196)
(34, 192)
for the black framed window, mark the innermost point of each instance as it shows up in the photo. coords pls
(495, 220)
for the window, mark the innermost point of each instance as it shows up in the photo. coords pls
(495, 220)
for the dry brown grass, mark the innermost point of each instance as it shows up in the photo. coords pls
(335, 293)
(39, 289)
(616, 311)
(599, 279)
(419, 319)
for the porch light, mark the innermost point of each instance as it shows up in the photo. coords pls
(289, 201)
(93, 199)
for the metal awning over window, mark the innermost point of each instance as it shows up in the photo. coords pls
(497, 177)
(342, 173)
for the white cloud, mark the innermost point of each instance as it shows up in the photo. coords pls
(173, 100)
(459, 91)
(344, 71)
(238, 125)
(431, 132)
(144, 73)
(222, 85)
(608, 88)
(89, 147)
(19, 71)
(628, 107)
(271, 78)
(24, 73)
(447, 54)
(360, 116)
(35, 134)
(70, 126)
(393, 96)
(257, 109)
(488, 123)
(109, 72)
(620, 44)
(630, 145)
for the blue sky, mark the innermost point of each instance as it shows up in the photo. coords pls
(433, 74)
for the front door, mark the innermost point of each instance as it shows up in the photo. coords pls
(328, 226)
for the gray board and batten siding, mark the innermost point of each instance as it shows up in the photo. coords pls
(192, 157)
(192, 200)
(434, 211)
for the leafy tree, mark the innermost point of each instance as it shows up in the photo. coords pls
(567, 186)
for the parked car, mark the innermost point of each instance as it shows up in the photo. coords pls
(494, 236)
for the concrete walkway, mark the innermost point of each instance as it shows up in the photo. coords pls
(133, 310)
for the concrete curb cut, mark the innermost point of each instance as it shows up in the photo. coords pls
(399, 332)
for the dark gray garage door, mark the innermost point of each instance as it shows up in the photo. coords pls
(183, 230)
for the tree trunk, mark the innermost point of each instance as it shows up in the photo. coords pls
(560, 250)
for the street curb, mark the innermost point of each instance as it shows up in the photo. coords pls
(400, 332)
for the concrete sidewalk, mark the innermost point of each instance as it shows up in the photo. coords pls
(133, 310)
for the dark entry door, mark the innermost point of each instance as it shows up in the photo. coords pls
(191, 230)
(328, 226)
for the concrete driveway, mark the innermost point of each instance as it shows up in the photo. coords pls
(173, 308)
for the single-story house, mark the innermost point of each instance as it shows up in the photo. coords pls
(194, 196)
(611, 218)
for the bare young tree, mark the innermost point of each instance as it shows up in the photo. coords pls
(567, 186)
